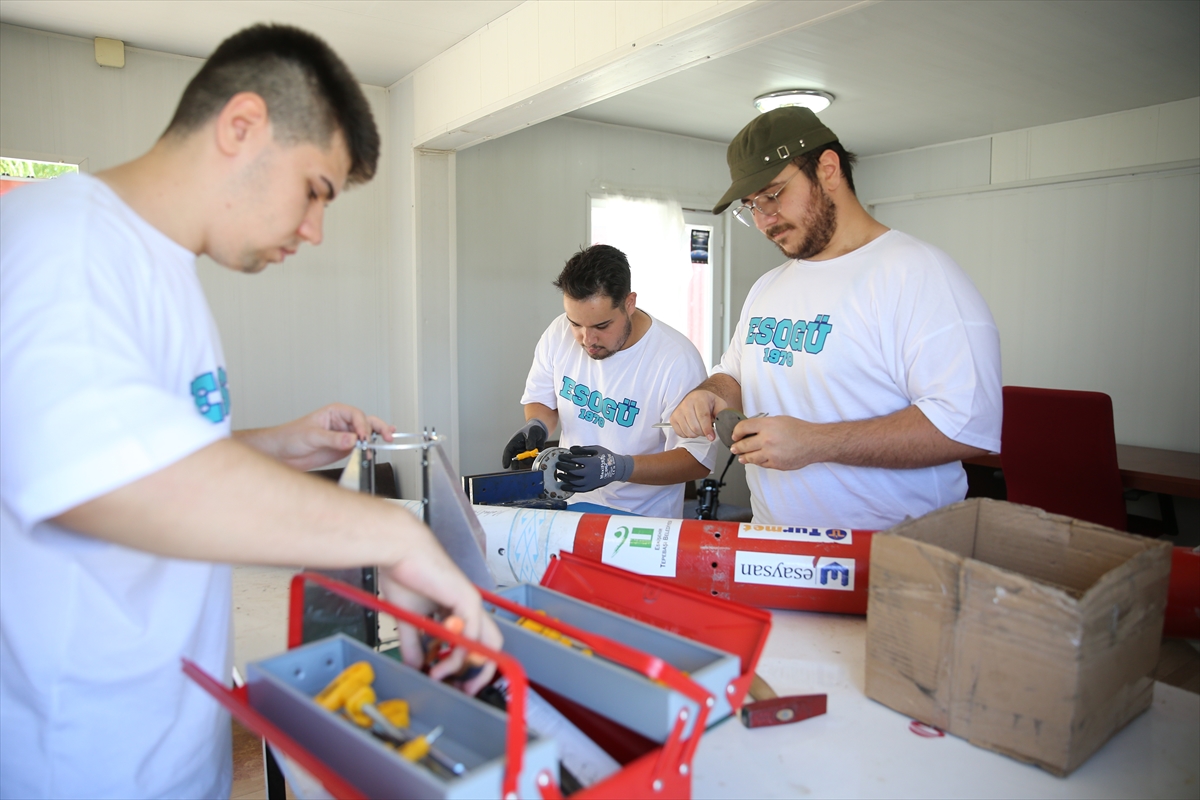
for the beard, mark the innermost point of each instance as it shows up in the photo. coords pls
(603, 352)
(820, 223)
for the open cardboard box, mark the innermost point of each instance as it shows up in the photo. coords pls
(1028, 633)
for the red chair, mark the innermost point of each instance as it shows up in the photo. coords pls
(1059, 453)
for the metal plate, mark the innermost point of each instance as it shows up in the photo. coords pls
(547, 463)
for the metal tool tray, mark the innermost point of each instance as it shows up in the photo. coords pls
(281, 689)
(609, 689)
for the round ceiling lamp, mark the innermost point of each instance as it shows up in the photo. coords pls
(813, 99)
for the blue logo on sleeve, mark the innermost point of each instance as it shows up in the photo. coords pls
(211, 394)
(594, 407)
(781, 338)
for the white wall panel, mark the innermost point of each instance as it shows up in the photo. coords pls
(522, 54)
(556, 38)
(493, 62)
(927, 169)
(1179, 131)
(468, 76)
(1160, 134)
(1094, 285)
(675, 10)
(635, 20)
(595, 28)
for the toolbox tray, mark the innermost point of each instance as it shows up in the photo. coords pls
(604, 686)
(281, 689)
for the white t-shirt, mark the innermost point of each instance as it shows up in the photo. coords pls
(110, 369)
(614, 402)
(892, 324)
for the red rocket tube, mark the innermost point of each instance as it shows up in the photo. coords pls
(771, 566)
(812, 569)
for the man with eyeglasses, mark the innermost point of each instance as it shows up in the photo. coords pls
(873, 357)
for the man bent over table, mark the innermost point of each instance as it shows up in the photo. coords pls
(609, 371)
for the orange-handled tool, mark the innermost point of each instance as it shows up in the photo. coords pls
(348, 681)
(418, 748)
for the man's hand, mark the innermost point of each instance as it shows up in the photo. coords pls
(695, 414)
(320, 438)
(531, 436)
(905, 439)
(778, 442)
(590, 468)
(461, 599)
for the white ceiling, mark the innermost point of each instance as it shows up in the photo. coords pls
(906, 73)
(381, 41)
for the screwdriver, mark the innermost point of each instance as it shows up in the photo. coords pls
(348, 681)
(388, 717)
(419, 747)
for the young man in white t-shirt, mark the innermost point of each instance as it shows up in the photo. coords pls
(120, 480)
(608, 372)
(872, 355)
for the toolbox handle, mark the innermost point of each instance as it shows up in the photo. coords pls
(508, 666)
(651, 666)
(237, 702)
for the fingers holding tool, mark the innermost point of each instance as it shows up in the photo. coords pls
(472, 670)
(530, 437)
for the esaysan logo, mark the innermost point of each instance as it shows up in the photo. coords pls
(779, 569)
(783, 337)
(594, 407)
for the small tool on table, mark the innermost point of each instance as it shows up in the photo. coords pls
(527, 454)
(769, 708)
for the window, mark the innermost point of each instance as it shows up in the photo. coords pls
(15, 172)
(671, 262)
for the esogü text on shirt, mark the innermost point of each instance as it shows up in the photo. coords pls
(783, 337)
(596, 408)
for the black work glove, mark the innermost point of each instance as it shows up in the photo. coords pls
(531, 437)
(590, 468)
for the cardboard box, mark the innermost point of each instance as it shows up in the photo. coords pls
(1028, 633)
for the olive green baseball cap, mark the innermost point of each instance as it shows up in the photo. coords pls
(763, 148)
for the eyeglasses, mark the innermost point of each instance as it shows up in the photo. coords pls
(765, 204)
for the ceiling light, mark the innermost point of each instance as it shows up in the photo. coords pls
(814, 99)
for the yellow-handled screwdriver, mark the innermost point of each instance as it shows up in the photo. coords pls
(348, 681)
(418, 748)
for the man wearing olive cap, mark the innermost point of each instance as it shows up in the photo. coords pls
(873, 357)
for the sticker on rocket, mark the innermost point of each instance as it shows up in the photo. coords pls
(802, 572)
(641, 544)
(795, 533)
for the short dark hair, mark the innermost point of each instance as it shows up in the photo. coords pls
(308, 90)
(599, 269)
(807, 162)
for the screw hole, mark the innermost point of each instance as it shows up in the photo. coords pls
(717, 535)
(714, 565)
(714, 591)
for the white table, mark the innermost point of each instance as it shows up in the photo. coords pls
(861, 748)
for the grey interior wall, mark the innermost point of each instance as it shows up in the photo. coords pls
(302, 334)
(1094, 283)
(522, 211)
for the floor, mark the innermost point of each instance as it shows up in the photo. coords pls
(260, 630)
